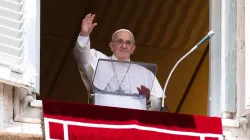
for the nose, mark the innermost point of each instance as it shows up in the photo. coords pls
(124, 46)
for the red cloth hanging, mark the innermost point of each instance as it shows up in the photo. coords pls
(110, 123)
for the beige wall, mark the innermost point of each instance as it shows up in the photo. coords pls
(196, 101)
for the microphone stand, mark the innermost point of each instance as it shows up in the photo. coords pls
(210, 34)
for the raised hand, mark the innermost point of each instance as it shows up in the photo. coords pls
(87, 25)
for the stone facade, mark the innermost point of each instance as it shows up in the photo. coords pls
(18, 118)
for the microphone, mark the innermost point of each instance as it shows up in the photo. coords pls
(209, 35)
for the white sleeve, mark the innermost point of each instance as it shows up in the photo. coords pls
(83, 41)
(155, 104)
(86, 59)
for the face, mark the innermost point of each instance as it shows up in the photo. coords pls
(122, 46)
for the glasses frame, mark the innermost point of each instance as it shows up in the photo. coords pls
(121, 42)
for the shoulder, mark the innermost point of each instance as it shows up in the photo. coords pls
(97, 54)
(143, 69)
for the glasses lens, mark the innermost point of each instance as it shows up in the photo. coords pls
(121, 42)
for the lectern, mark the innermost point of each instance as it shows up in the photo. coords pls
(115, 83)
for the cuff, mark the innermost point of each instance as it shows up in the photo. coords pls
(82, 40)
(149, 103)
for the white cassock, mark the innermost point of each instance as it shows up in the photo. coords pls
(114, 76)
(125, 77)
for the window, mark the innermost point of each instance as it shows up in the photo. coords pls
(19, 43)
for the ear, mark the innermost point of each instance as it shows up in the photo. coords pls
(133, 49)
(111, 46)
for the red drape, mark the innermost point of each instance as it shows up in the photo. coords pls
(110, 123)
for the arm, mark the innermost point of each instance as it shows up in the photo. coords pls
(153, 100)
(155, 97)
(82, 52)
(82, 55)
(82, 47)
(86, 58)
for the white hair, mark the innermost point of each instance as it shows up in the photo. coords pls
(114, 34)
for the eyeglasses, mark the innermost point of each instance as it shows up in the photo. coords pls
(127, 43)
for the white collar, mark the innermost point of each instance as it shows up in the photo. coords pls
(120, 64)
(114, 58)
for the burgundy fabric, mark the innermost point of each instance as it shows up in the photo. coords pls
(118, 116)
